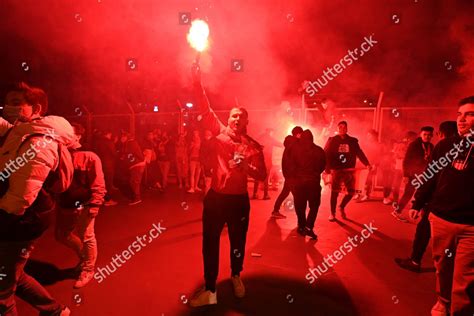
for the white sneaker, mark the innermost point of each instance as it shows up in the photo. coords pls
(203, 297)
(191, 191)
(239, 288)
(134, 202)
(332, 218)
(364, 198)
(439, 309)
(356, 197)
(83, 279)
(387, 201)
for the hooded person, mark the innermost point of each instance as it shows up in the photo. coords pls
(34, 164)
(290, 140)
(306, 163)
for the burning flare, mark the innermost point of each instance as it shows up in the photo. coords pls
(198, 35)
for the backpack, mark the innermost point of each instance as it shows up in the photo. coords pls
(39, 215)
(59, 179)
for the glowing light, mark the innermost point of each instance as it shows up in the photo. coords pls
(189, 105)
(198, 35)
(155, 108)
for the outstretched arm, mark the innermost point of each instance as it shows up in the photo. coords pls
(360, 154)
(327, 149)
(209, 118)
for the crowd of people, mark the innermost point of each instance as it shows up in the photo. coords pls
(57, 176)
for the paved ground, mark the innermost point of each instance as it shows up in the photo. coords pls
(159, 279)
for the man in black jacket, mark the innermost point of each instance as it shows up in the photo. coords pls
(449, 196)
(306, 163)
(342, 151)
(416, 160)
(447, 129)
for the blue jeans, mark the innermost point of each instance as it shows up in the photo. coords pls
(14, 280)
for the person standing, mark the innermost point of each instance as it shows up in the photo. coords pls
(374, 150)
(306, 163)
(447, 129)
(105, 149)
(151, 173)
(133, 161)
(416, 159)
(163, 157)
(342, 151)
(268, 142)
(449, 196)
(235, 156)
(194, 162)
(182, 161)
(394, 176)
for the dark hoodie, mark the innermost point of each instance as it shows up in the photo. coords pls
(449, 194)
(130, 153)
(290, 140)
(306, 160)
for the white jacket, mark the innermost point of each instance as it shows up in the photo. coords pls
(28, 167)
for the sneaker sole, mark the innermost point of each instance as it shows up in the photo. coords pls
(200, 305)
